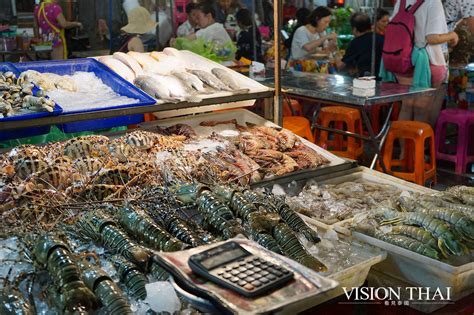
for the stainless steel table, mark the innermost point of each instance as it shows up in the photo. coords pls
(337, 90)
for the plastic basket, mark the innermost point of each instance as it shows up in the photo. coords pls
(25, 132)
(109, 77)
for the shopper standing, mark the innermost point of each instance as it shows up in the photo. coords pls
(431, 32)
(51, 23)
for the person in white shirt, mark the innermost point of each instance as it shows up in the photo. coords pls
(312, 37)
(209, 29)
(190, 25)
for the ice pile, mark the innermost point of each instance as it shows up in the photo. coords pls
(339, 254)
(161, 297)
(91, 93)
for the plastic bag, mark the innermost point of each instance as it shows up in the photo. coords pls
(209, 50)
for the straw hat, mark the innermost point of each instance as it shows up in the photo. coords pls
(139, 22)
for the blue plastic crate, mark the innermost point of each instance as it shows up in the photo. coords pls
(110, 78)
(24, 132)
(103, 123)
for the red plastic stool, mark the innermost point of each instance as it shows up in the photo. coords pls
(292, 107)
(299, 126)
(414, 167)
(464, 119)
(340, 115)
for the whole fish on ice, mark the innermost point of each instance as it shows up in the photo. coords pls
(177, 88)
(154, 87)
(228, 80)
(210, 79)
(192, 81)
(148, 64)
(118, 67)
(130, 62)
(165, 87)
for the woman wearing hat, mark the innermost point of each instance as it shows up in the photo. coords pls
(50, 23)
(139, 23)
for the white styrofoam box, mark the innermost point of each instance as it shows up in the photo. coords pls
(364, 174)
(423, 271)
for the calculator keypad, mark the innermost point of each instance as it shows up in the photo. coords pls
(251, 273)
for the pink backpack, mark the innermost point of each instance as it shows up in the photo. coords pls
(400, 38)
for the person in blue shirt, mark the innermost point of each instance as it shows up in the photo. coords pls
(357, 60)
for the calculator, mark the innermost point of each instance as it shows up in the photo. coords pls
(231, 266)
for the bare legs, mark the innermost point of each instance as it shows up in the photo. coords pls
(57, 53)
(425, 108)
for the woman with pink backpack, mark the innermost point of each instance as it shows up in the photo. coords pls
(413, 54)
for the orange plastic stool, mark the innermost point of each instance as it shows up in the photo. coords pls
(412, 166)
(292, 107)
(340, 115)
(299, 126)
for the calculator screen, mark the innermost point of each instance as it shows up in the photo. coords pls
(222, 258)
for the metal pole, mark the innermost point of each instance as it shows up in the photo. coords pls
(13, 2)
(277, 106)
(110, 24)
(254, 32)
(172, 17)
(374, 38)
(157, 15)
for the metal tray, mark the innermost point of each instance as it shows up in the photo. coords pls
(242, 116)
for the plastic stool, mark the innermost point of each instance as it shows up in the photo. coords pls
(292, 107)
(414, 152)
(464, 119)
(340, 115)
(299, 126)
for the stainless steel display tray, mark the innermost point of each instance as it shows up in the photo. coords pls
(242, 116)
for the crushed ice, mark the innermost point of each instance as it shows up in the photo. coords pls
(91, 93)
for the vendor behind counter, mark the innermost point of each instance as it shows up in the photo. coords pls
(357, 59)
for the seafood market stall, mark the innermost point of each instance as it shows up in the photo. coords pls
(124, 209)
(105, 206)
(338, 90)
(108, 219)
